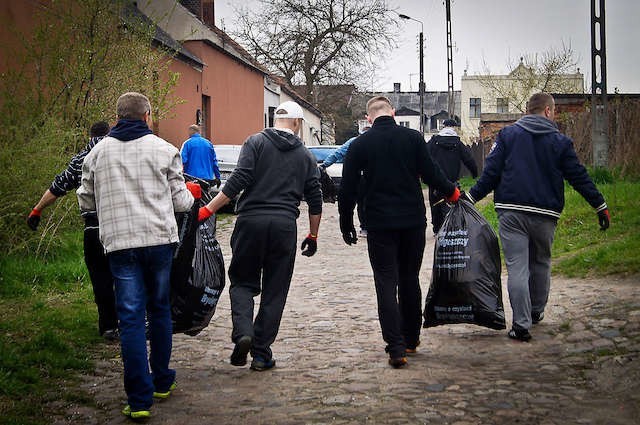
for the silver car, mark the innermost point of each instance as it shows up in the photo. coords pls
(227, 161)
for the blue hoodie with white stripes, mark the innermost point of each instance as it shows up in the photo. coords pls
(527, 166)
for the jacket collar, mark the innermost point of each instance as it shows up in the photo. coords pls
(384, 121)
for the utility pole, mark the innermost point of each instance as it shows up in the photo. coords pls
(421, 87)
(599, 107)
(421, 60)
(451, 106)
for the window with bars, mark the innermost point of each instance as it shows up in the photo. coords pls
(474, 107)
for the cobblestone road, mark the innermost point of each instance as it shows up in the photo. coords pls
(582, 367)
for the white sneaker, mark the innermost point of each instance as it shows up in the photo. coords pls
(362, 233)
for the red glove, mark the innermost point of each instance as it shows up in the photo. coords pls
(195, 189)
(34, 219)
(453, 198)
(204, 213)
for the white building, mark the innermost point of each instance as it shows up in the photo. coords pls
(502, 94)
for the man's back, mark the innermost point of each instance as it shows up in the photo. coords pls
(528, 165)
(275, 171)
(136, 189)
(393, 159)
(199, 158)
(448, 151)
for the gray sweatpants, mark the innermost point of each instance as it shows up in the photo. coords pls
(526, 243)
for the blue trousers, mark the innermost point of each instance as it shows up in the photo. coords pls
(141, 277)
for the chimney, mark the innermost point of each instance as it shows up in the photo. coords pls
(396, 87)
(203, 9)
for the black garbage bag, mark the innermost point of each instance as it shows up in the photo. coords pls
(197, 275)
(329, 189)
(465, 283)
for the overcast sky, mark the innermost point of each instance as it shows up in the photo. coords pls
(499, 31)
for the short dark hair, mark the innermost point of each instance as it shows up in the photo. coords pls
(100, 128)
(538, 102)
(450, 123)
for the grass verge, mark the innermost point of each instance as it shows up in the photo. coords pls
(48, 331)
(580, 249)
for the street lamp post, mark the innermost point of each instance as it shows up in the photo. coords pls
(421, 60)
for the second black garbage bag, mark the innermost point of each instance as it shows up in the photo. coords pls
(465, 284)
(197, 274)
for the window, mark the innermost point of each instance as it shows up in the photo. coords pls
(272, 112)
(404, 123)
(502, 105)
(474, 107)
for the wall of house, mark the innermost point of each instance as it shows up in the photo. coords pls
(271, 100)
(236, 94)
(187, 96)
(14, 17)
(413, 120)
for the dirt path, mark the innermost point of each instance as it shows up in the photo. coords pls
(582, 367)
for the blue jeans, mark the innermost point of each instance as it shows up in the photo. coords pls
(141, 277)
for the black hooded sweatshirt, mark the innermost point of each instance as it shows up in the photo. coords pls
(275, 170)
(447, 152)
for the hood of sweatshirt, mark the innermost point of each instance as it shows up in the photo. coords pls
(447, 141)
(281, 139)
(126, 130)
(537, 124)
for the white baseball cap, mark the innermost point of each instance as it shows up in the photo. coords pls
(289, 109)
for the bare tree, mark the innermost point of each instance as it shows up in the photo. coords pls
(553, 71)
(313, 42)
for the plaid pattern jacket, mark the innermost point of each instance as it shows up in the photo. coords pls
(136, 187)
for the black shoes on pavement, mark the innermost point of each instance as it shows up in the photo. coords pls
(536, 317)
(398, 362)
(240, 351)
(261, 364)
(520, 334)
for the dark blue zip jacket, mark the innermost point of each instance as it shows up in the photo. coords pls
(527, 166)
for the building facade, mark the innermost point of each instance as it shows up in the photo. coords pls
(501, 94)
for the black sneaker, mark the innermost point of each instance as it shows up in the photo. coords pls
(111, 335)
(536, 317)
(240, 351)
(520, 334)
(261, 364)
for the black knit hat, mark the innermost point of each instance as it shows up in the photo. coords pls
(450, 123)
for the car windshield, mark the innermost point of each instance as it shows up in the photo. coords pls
(322, 153)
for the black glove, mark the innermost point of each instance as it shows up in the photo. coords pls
(33, 220)
(348, 231)
(311, 245)
(217, 182)
(604, 219)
